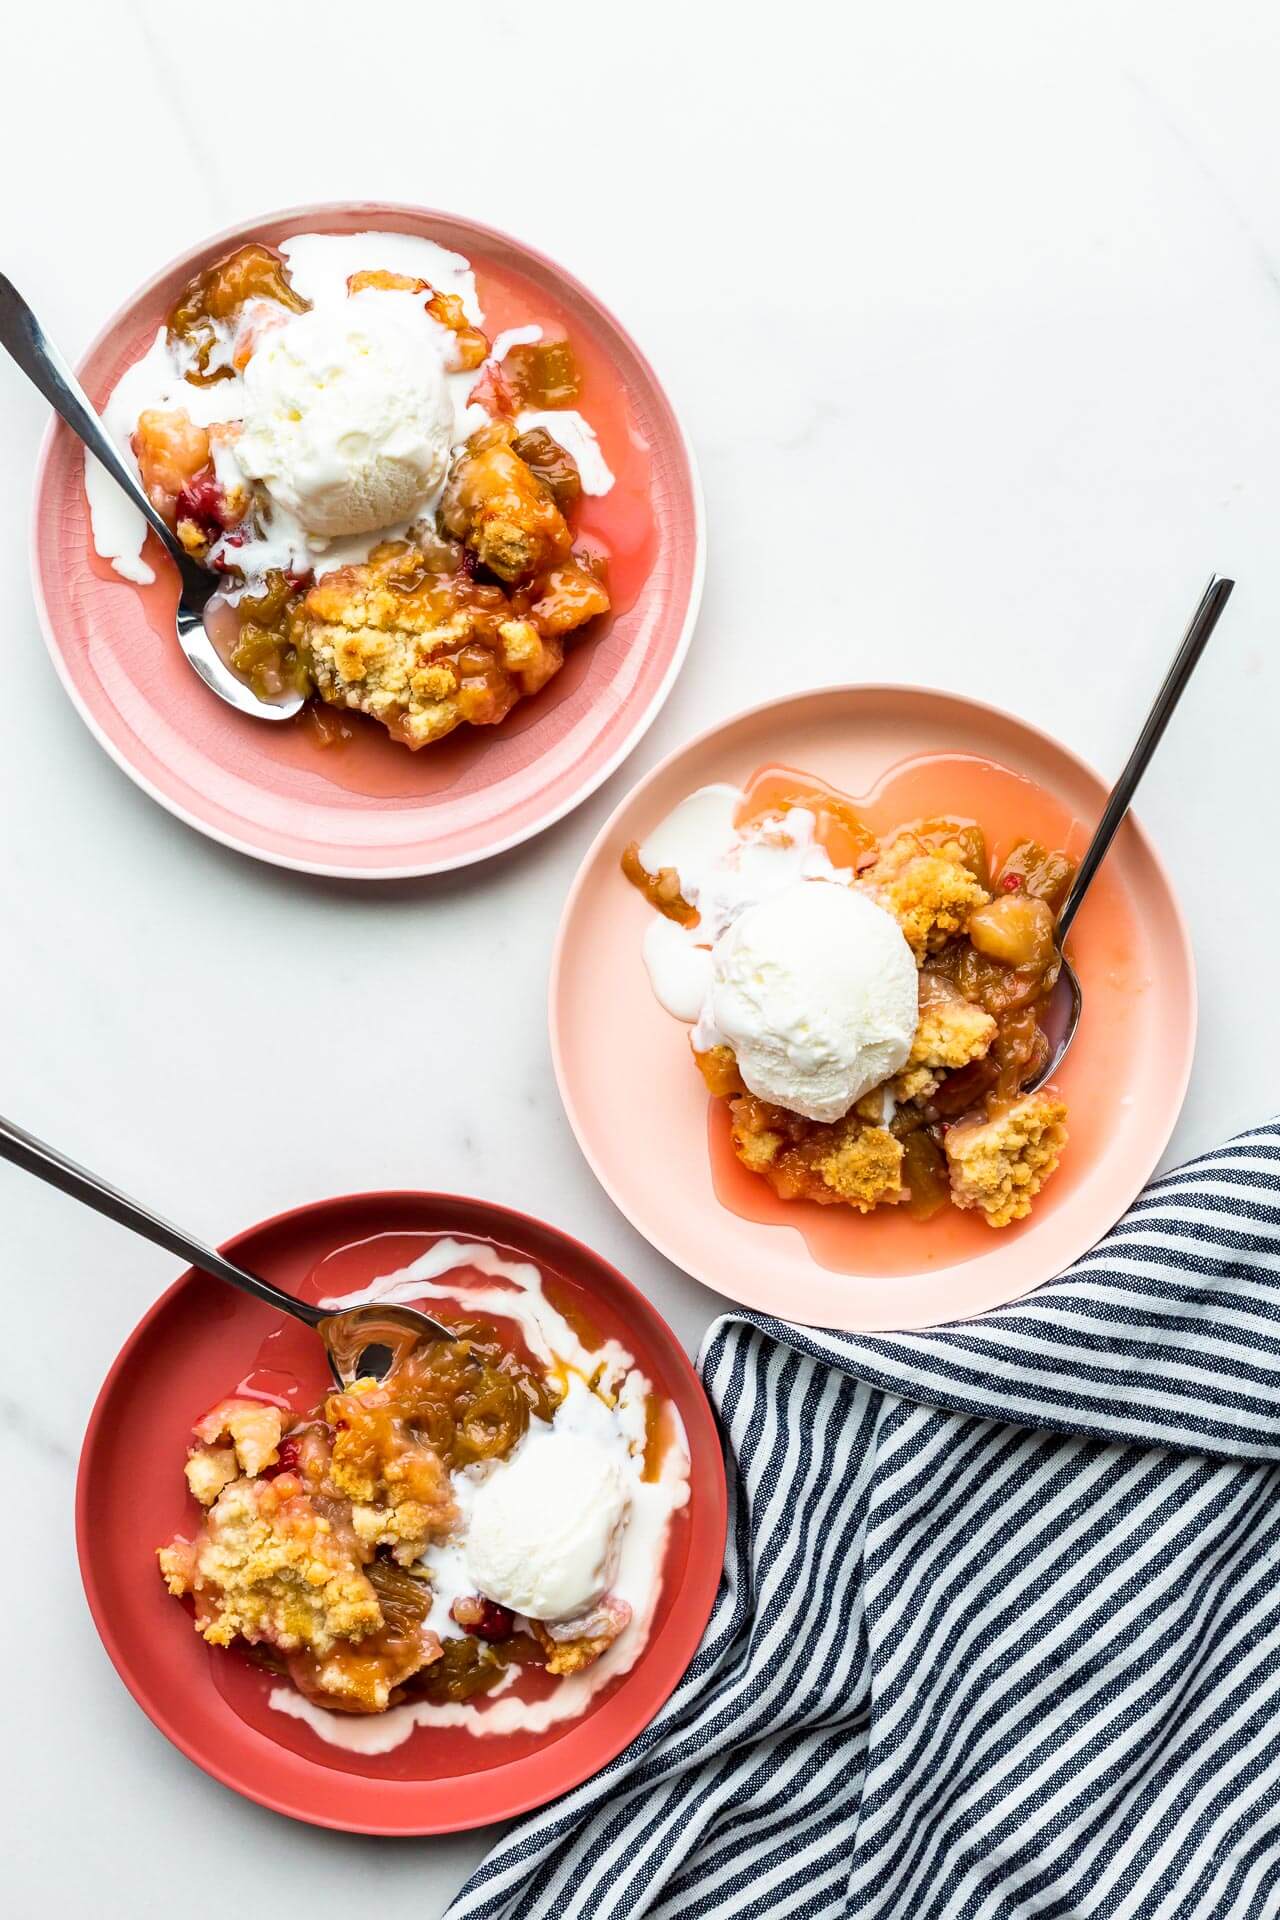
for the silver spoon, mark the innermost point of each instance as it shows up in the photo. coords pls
(360, 1341)
(23, 336)
(1067, 1000)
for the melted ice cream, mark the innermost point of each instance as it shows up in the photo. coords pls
(605, 1397)
(723, 869)
(811, 984)
(319, 265)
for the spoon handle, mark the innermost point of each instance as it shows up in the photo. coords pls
(24, 338)
(1203, 622)
(34, 1156)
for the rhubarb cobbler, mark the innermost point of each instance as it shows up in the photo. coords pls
(388, 493)
(428, 1536)
(869, 1006)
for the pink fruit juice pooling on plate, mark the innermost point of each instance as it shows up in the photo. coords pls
(1008, 807)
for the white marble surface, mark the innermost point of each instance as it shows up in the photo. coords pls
(974, 318)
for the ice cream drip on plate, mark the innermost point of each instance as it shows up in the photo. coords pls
(810, 982)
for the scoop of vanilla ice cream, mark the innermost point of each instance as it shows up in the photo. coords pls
(348, 417)
(815, 989)
(545, 1527)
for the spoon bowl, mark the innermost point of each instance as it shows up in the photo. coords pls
(198, 588)
(24, 338)
(369, 1342)
(1058, 1023)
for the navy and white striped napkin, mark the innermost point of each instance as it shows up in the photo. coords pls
(999, 1628)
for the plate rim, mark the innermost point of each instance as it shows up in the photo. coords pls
(843, 690)
(713, 1526)
(336, 870)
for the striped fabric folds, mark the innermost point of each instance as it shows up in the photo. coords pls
(999, 1628)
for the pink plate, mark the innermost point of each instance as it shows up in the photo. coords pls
(196, 1344)
(371, 809)
(660, 1146)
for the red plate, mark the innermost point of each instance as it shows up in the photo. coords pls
(371, 809)
(194, 1346)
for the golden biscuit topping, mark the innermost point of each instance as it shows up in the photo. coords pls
(951, 1031)
(419, 640)
(499, 508)
(841, 1160)
(999, 1165)
(268, 1565)
(953, 1125)
(929, 893)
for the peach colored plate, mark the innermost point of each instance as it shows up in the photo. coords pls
(370, 809)
(660, 1146)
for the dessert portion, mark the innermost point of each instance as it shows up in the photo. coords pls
(869, 1007)
(388, 494)
(424, 1539)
